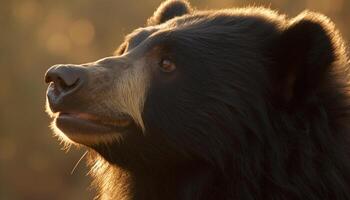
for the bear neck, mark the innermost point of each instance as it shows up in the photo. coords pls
(187, 182)
(184, 183)
(303, 156)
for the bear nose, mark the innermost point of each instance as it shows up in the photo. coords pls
(65, 78)
(65, 82)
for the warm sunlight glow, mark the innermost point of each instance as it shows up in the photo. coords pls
(81, 32)
(37, 34)
(58, 44)
(27, 11)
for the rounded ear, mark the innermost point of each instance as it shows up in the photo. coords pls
(168, 10)
(306, 51)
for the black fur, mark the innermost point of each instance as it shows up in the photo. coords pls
(258, 108)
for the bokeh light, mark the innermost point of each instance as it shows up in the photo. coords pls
(81, 32)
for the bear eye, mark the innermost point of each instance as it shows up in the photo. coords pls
(167, 66)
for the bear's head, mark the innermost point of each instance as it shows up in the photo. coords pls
(203, 88)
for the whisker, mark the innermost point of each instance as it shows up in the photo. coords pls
(76, 165)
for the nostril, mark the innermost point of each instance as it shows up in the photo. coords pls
(47, 78)
(64, 85)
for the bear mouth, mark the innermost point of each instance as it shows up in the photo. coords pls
(77, 126)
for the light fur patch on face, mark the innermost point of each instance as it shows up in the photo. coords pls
(129, 91)
(126, 96)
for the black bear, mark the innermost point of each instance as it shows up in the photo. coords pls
(236, 104)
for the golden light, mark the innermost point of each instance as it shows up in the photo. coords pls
(327, 6)
(58, 44)
(81, 32)
(26, 11)
(7, 149)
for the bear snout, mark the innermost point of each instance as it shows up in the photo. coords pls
(65, 81)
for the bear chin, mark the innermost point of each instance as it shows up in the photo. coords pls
(88, 129)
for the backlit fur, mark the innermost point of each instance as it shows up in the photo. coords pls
(257, 108)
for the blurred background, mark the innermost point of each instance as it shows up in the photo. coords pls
(36, 34)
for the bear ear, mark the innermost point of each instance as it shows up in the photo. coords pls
(306, 50)
(168, 10)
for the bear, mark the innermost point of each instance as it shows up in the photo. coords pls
(239, 104)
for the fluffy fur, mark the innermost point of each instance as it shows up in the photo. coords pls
(258, 108)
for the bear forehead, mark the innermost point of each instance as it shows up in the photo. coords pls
(209, 18)
(222, 17)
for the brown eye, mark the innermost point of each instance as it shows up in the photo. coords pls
(167, 66)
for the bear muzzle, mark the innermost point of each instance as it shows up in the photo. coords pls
(71, 90)
(65, 82)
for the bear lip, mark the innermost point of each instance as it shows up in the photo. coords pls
(121, 122)
(84, 123)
